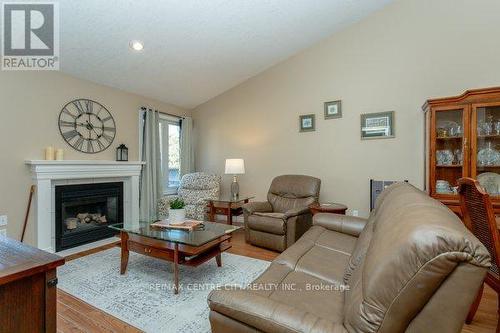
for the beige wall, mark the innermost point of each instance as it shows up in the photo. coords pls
(30, 106)
(393, 60)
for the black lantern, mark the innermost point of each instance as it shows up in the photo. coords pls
(122, 153)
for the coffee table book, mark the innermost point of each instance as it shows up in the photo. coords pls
(187, 225)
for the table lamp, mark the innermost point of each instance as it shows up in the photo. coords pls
(235, 166)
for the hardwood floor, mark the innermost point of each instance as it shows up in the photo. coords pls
(76, 316)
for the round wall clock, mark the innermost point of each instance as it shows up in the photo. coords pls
(87, 126)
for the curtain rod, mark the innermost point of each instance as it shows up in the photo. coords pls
(165, 113)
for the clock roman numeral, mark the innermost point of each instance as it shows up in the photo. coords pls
(70, 135)
(79, 143)
(107, 137)
(109, 129)
(63, 123)
(78, 106)
(66, 111)
(99, 111)
(89, 105)
(106, 119)
(90, 146)
(100, 145)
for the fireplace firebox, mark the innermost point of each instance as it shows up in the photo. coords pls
(84, 212)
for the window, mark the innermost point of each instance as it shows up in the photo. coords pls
(170, 152)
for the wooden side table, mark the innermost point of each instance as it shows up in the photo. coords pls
(227, 206)
(328, 207)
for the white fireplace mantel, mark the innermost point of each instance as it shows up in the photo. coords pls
(47, 175)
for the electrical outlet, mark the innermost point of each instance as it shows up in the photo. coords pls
(3, 232)
(355, 212)
(3, 220)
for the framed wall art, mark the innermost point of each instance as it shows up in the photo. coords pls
(379, 125)
(333, 109)
(307, 123)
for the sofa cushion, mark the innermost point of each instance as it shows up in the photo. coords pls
(273, 223)
(312, 266)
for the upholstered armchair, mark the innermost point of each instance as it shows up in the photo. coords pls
(285, 216)
(194, 189)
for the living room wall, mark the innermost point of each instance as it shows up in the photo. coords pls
(31, 102)
(393, 60)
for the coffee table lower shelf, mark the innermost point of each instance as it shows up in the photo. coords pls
(179, 254)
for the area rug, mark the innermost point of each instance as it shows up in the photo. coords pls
(144, 298)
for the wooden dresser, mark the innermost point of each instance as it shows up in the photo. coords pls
(27, 288)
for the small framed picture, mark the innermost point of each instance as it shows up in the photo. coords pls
(333, 109)
(378, 125)
(307, 123)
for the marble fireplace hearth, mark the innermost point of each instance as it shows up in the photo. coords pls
(46, 175)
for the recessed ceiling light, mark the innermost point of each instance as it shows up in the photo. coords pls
(136, 45)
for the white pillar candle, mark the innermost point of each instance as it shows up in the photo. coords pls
(59, 155)
(49, 153)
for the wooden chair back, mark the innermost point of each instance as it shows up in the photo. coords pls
(479, 217)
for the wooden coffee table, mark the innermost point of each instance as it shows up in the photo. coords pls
(191, 248)
(328, 207)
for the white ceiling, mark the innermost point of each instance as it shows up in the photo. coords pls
(194, 49)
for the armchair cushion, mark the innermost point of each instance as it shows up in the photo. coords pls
(273, 223)
(195, 188)
(350, 225)
(257, 206)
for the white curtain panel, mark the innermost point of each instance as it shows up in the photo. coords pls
(151, 184)
(187, 151)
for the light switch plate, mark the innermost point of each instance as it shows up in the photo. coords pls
(3, 220)
(3, 232)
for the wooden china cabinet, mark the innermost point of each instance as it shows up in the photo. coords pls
(463, 140)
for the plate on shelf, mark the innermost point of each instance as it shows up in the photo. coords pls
(490, 181)
(488, 156)
(444, 157)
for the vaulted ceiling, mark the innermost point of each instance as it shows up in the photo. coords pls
(193, 49)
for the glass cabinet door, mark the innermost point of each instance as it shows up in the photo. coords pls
(450, 150)
(485, 154)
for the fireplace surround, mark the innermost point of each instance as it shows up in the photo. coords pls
(47, 175)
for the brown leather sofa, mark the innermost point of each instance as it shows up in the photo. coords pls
(410, 267)
(285, 216)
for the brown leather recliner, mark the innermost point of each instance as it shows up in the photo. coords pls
(412, 266)
(285, 216)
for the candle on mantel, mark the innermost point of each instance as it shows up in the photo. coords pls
(59, 154)
(49, 153)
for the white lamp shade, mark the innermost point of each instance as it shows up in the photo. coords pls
(235, 166)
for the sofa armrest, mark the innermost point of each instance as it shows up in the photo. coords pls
(267, 315)
(351, 225)
(297, 211)
(257, 206)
